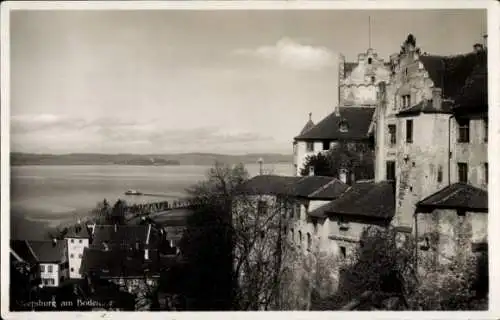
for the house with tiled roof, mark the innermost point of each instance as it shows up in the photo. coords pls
(431, 133)
(48, 258)
(293, 198)
(364, 204)
(350, 119)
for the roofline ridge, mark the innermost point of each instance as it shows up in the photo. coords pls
(323, 187)
(434, 193)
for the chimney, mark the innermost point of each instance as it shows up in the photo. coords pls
(478, 47)
(336, 111)
(54, 242)
(436, 98)
(311, 170)
(116, 227)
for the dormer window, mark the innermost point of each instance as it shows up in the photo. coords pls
(343, 126)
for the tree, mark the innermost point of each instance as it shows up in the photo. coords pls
(236, 254)
(383, 265)
(102, 213)
(118, 212)
(355, 158)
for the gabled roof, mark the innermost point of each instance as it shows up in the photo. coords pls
(78, 231)
(309, 184)
(48, 251)
(331, 190)
(473, 95)
(426, 106)
(123, 234)
(269, 185)
(358, 120)
(449, 73)
(459, 196)
(309, 125)
(311, 187)
(119, 263)
(23, 251)
(363, 199)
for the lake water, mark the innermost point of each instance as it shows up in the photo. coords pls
(45, 196)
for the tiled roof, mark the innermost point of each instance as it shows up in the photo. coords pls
(449, 73)
(307, 187)
(458, 196)
(309, 184)
(358, 120)
(307, 127)
(124, 234)
(21, 248)
(474, 94)
(426, 106)
(269, 185)
(76, 231)
(116, 263)
(48, 251)
(332, 190)
(368, 199)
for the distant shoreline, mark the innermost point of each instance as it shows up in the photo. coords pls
(201, 159)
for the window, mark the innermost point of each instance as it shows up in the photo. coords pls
(409, 131)
(50, 281)
(391, 170)
(72, 269)
(343, 252)
(310, 146)
(49, 268)
(71, 255)
(72, 240)
(463, 172)
(392, 134)
(261, 207)
(369, 60)
(485, 125)
(300, 238)
(42, 268)
(486, 172)
(405, 101)
(373, 79)
(463, 130)
(343, 126)
(80, 255)
(80, 241)
(292, 234)
(45, 282)
(440, 174)
(326, 145)
(309, 241)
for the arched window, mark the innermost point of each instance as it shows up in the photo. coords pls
(300, 238)
(309, 242)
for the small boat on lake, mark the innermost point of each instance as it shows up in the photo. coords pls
(133, 193)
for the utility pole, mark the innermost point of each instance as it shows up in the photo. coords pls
(369, 32)
(260, 161)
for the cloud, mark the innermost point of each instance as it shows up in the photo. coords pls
(65, 134)
(291, 54)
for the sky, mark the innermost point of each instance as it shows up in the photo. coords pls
(165, 81)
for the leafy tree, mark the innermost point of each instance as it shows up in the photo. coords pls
(237, 256)
(355, 158)
(102, 212)
(118, 212)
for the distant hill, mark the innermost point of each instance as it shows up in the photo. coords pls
(20, 159)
